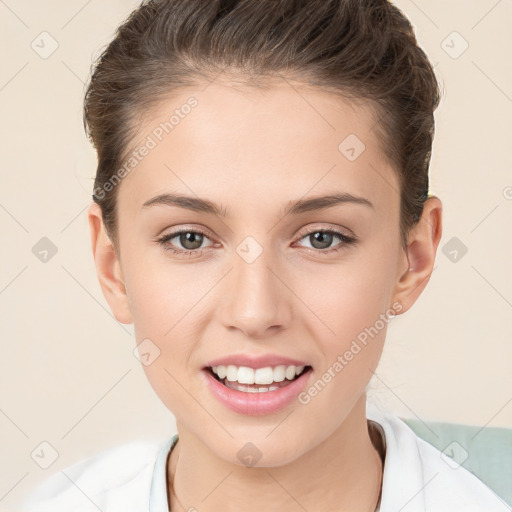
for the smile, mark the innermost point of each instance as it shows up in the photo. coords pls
(257, 391)
(259, 380)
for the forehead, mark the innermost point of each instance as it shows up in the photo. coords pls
(236, 141)
(224, 110)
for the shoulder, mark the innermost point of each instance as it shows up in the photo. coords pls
(119, 476)
(418, 476)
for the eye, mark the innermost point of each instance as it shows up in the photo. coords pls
(322, 239)
(190, 239)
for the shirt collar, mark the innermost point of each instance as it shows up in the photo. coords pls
(158, 499)
(390, 497)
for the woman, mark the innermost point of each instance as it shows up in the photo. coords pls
(261, 213)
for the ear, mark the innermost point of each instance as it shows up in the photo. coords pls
(108, 266)
(417, 261)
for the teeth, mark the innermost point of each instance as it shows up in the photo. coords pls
(264, 376)
(249, 389)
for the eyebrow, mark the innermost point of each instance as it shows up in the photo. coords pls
(292, 207)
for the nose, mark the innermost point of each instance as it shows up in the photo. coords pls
(257, 296)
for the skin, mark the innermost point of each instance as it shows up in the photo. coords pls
(252, 151)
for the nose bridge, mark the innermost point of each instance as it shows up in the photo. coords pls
(256, 297)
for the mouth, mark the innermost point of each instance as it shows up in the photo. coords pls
(261, 380)
(265, 387)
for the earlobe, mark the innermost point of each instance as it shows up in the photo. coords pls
(108, 267)
(417, 264)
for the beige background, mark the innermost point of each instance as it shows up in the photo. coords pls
(68, 373)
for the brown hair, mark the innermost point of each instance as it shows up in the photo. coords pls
(364, 49)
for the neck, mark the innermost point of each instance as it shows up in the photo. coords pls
(343, 472)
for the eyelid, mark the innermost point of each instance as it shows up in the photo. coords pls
(185, 229)
(326, 227)
(180, 228)
(346, 239)
(302, 233)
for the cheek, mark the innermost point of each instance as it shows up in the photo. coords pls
(350, 296)
(162, 304)
(356, 310)
(353, 302)
(160, 295)
(170, 304)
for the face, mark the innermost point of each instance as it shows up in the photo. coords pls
(268, 272)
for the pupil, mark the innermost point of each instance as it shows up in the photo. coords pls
(320, 237)
(186, 238)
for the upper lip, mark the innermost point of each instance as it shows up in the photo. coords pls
(255, 361)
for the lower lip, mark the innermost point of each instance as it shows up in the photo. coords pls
(255, 404)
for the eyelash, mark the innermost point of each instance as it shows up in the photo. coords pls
(345, 241)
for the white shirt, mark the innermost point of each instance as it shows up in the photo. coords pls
(132, 477)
